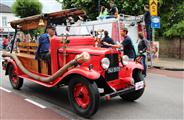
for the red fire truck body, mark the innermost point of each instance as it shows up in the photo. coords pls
(106, 73)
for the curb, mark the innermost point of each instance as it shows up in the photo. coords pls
(171, 69)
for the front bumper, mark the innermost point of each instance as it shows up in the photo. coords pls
(135, 87)
(121, 83)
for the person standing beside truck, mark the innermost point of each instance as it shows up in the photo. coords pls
(44, 44)
(127, 44)
(147, 20)
(142, 47)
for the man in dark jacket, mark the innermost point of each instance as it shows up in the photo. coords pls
(147, 20)
(142, 47)
(127, 44)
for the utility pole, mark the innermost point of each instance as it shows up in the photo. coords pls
(99, 7)
(155, 23)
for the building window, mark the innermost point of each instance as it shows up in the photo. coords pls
(4, 21)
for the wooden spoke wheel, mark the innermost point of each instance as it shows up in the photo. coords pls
(84, 96)
(16, 81)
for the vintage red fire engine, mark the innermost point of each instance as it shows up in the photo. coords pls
(90, 72)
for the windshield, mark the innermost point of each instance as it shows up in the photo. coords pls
(86, 28)
(73, 30)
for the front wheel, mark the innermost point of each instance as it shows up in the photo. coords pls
(15, 81)
(84, 96)
(137, 76)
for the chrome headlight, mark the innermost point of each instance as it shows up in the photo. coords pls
(105, 63)
(125, 60)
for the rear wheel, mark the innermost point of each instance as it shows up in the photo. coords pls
(84, 96)
(15, 81)
(137, 75)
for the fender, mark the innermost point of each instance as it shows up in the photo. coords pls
(84, 71)
(10, 61)
(134, 65)
(127, 70)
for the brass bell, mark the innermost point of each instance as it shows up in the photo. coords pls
(41, 23)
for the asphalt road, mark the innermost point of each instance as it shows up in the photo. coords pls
(163, 99)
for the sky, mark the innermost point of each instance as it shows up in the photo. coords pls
(48, 5)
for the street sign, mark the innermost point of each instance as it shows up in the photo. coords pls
(153, 7)
(155, 22)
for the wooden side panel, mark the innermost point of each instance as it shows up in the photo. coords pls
(26, 54)
(30, 64)
(44, 68)
(27, 47)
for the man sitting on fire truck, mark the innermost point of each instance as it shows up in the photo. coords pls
(107, 42)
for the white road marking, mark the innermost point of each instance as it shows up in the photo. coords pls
(5, 89)
(35, 103)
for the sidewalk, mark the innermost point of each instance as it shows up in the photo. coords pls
(169, 64)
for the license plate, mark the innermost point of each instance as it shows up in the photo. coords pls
(113, 69)
(139, 85)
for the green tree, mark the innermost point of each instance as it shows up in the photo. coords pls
(25, 8)
(90, 6)
(172, 18)
(170, 11)
(131, 7)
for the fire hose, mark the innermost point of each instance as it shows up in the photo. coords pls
(79, 59)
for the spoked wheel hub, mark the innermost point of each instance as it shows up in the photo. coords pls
(84, 96)
(81, 95)
(14, 78)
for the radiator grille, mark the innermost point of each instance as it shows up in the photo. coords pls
(113, 65)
